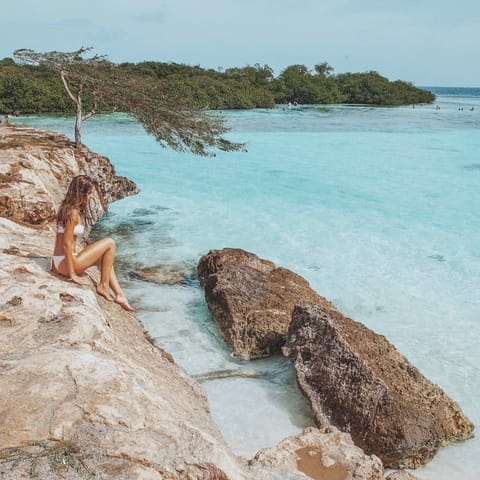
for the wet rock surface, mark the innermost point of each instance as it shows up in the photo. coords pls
(161, 274)
(252, 300)
(401, 475)
(356, 380)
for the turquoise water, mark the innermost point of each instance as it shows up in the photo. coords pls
(376, 207)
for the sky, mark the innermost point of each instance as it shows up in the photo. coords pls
(426, 42)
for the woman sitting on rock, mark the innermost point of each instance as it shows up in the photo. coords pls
(76, 211)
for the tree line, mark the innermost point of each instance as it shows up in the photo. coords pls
(36, 89)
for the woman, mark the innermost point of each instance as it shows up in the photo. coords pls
(74, 213)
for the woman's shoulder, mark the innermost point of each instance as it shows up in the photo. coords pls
(73, 215)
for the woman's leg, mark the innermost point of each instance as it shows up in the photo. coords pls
(119, 295)
(101, 252)
(114, 285)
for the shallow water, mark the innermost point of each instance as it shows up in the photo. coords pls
(376, 207)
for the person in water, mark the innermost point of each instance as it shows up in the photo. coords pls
(77, 210)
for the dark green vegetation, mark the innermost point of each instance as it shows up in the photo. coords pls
(38, 89)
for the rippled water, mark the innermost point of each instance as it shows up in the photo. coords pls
(376, 207)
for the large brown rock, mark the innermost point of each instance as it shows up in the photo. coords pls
(355, 379)
(36, 168)
(252, 300)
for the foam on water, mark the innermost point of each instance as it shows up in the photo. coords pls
(376, 207)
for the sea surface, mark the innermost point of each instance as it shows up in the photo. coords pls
(378, 208)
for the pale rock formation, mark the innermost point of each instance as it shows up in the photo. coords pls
(356, 380)
(78, 371)
(36, 167)
(326, 454)
(83, 392)
(251, 300)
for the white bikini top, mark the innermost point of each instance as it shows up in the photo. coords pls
(78, 230)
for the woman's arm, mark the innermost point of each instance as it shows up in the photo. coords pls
(69, 244)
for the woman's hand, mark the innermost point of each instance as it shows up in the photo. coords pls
(78, 280)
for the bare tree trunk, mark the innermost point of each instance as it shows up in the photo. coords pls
(78, 102)
(78, 124)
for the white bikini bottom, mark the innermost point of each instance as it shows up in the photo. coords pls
(57, 260)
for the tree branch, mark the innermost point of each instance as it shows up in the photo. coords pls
(92, 112)
(164, 113)
(65, 84)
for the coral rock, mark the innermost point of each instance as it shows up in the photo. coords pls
(251, 300)
(355, 379)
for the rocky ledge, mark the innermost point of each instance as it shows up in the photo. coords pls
(84, 394)
(83, 391)
(36, 167)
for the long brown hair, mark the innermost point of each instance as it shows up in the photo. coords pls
(77, 197)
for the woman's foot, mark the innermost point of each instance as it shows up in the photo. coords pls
(123, 302)
(103, 292)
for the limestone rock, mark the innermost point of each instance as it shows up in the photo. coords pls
(83, 392)
(251, 300)
(227, 258)
(320, 454)
(401, 475)
(82, 388)
(159, 274)
(36, 168)
(355, 379)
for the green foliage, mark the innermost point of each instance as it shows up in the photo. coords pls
(31, 90)
(371, 88)
(38, 89)
(299, 85)
(172, 118)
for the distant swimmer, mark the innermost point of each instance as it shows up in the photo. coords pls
(472, 109)
(437, 107)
